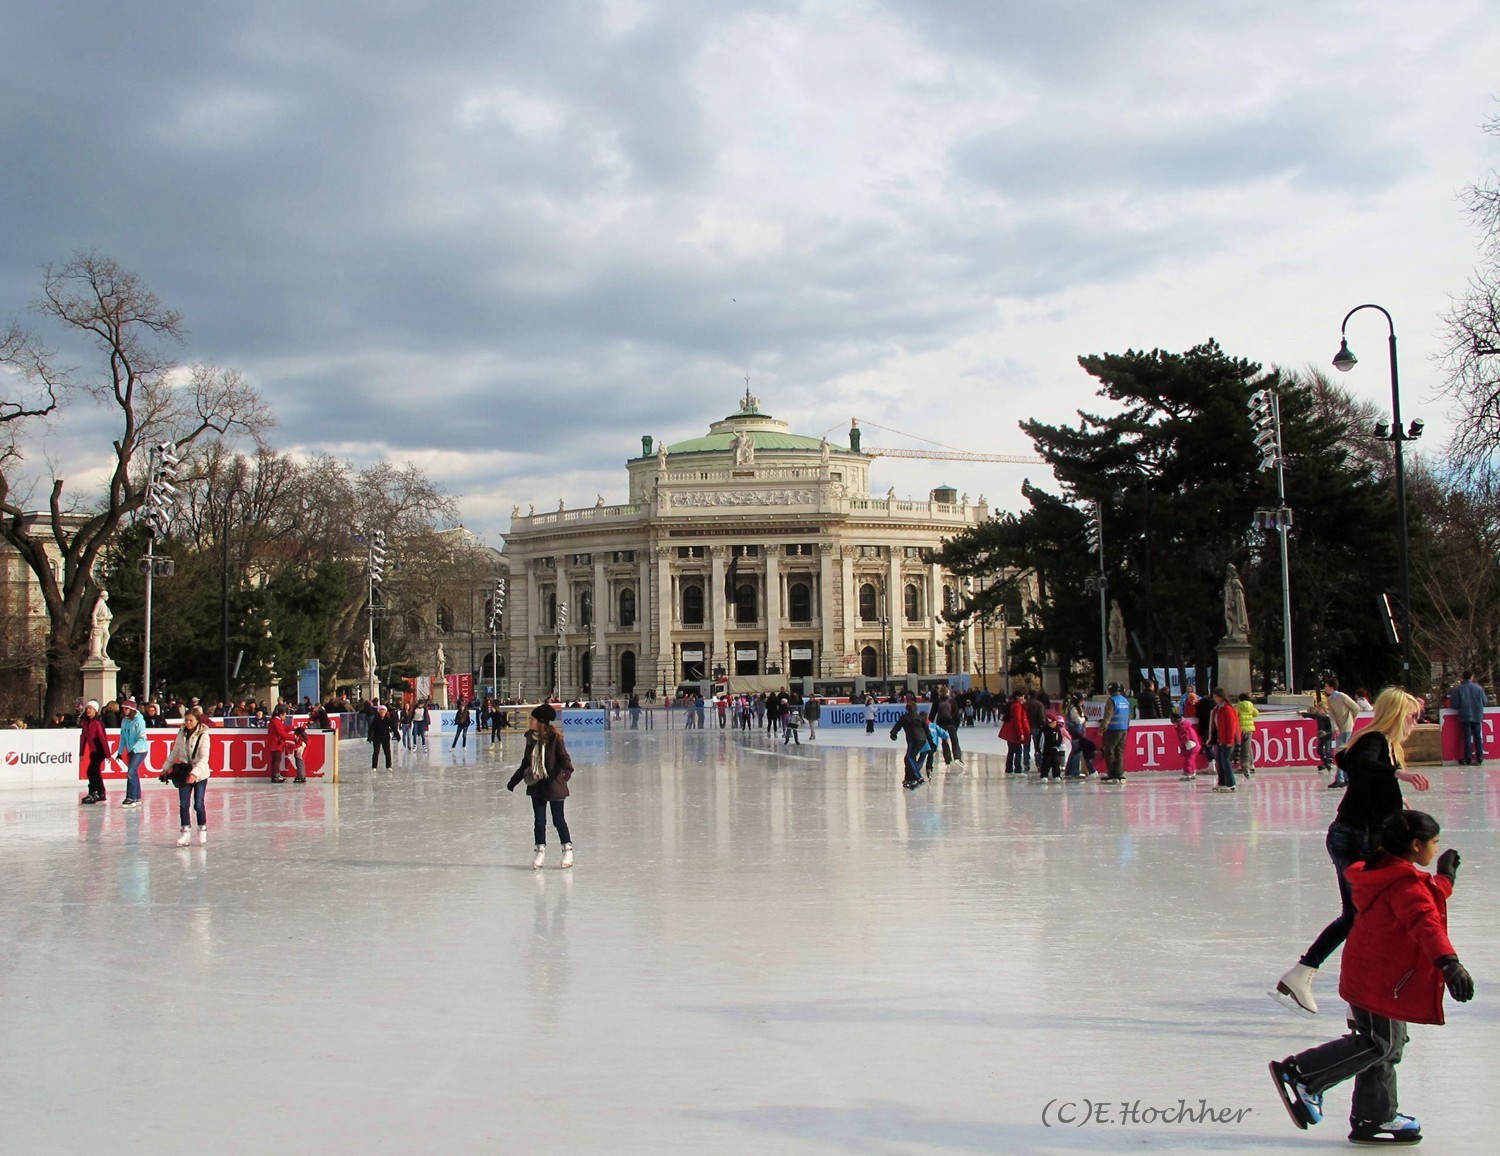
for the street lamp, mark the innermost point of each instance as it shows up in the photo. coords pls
(1395, 433)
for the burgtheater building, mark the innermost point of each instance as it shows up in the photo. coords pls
(752, 553)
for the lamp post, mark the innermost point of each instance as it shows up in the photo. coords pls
(1344, 361)
(1094, 527)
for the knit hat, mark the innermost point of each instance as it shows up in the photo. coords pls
(129, 702)
(544, 713)
(93, 702)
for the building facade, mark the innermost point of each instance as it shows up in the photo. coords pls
(750, 551)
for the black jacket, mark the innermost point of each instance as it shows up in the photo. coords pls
(1374, 792)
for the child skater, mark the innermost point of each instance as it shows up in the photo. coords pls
(1396, 963)
(1052, 757)
(546, 767)
(1187, 746)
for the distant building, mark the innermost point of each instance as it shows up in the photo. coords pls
(750, 551)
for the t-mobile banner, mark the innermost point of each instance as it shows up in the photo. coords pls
(1286, 741)
(1453, 739)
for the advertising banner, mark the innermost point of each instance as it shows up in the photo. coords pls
(853, 715)
(41, 758)
(1452, 735)
(593, 720)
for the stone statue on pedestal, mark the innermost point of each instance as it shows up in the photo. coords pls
(1117, 638)
(442, 663)
(1236, 617)
(99, 629)
(367, 658)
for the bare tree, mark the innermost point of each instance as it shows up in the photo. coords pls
(154, 399)
(1471, 335)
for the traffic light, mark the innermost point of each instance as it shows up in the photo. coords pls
(161, 489)
(377, 557)
(1266, 422)
(1094, 528)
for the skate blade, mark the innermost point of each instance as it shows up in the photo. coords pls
(1290, 1003)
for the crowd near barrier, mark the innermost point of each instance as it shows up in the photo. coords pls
(49, 758)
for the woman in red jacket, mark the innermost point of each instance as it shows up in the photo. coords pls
(1224, 729)
(93, 751)
(1396, 963)
(1016, 732)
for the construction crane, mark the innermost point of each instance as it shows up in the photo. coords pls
(942, 453)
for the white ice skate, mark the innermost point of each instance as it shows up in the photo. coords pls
(567, 859)
(1294, 990)
(540, 857)
(185, 838)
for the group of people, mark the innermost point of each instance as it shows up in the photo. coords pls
(187, 762)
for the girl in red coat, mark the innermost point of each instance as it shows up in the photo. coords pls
(93, 751)
(1225, 731)
(1017, 734)
(1396, 963)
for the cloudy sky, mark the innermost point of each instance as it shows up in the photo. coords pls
(504, 240)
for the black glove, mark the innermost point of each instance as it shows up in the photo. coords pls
(1456, 976)
(510, 786)
(1447, 864)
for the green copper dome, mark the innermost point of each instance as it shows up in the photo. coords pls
(761, 439)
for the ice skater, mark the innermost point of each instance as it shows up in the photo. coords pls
(1050, 762)
(1227, 736)
(1396, 964)
(1016, 732)
(1187, 747)
(93, 752)
(188, 763)
(791, 725)
(135, 747)
(461, 722)
(546, 767)
(1375, 764)
(914, 726)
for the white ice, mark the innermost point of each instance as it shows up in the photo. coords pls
(760, 950)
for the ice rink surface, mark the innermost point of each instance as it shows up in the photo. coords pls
(758, 951)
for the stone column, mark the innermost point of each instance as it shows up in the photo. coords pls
(849, 600)
(937, 629)
(602, 612)
(1234, 667)
(644, 653)
(533, 618)
(716, 602)
(773, 608)
(895, 605)
(833, 658)
(665, 658)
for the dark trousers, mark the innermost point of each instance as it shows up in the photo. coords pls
(539, 814)
(1014, 757)
(1473, 736)
(192, 794)
(869, 726)
(95, 767)
(1346, 846)
(462, 734)
(913, 763)
(381, 744)
(1114, 754)
(1369, 1053)
(951, 749)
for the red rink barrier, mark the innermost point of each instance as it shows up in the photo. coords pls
(232, 754)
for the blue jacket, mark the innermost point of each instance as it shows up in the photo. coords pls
(133, 735)
(1469, 699)
(1119, 713)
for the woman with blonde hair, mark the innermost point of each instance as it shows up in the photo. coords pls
(1375, 764)
(187, 770)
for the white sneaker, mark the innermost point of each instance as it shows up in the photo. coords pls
(203, 836)
(1294, 990)
(567, 859)
(541, 855)
(185, 838)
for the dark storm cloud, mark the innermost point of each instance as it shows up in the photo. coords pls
(526, 234)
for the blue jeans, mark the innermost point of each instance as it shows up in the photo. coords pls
(133, 775)
(462, 734)
(539, 814)
(1473, 736)
(192, 794)
(913, 763)
(1224, 763)
(1346, 846)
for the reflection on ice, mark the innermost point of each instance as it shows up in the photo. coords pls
(759, 950)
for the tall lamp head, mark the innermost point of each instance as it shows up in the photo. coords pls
(1344, 360)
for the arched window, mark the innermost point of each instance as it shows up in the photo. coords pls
(799, 602)
(745, 604)
(868, 603)
(627, 607)
(445, 620)
(913, 660)
(692, 605)
(869, 662)
(586, 608)
(912, 602)
(550, 610)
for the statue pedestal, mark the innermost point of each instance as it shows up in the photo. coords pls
(100, 680)
(440, 691)
(1117, 670)
(1234, 668)
(270, 692)
(1052, 680)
